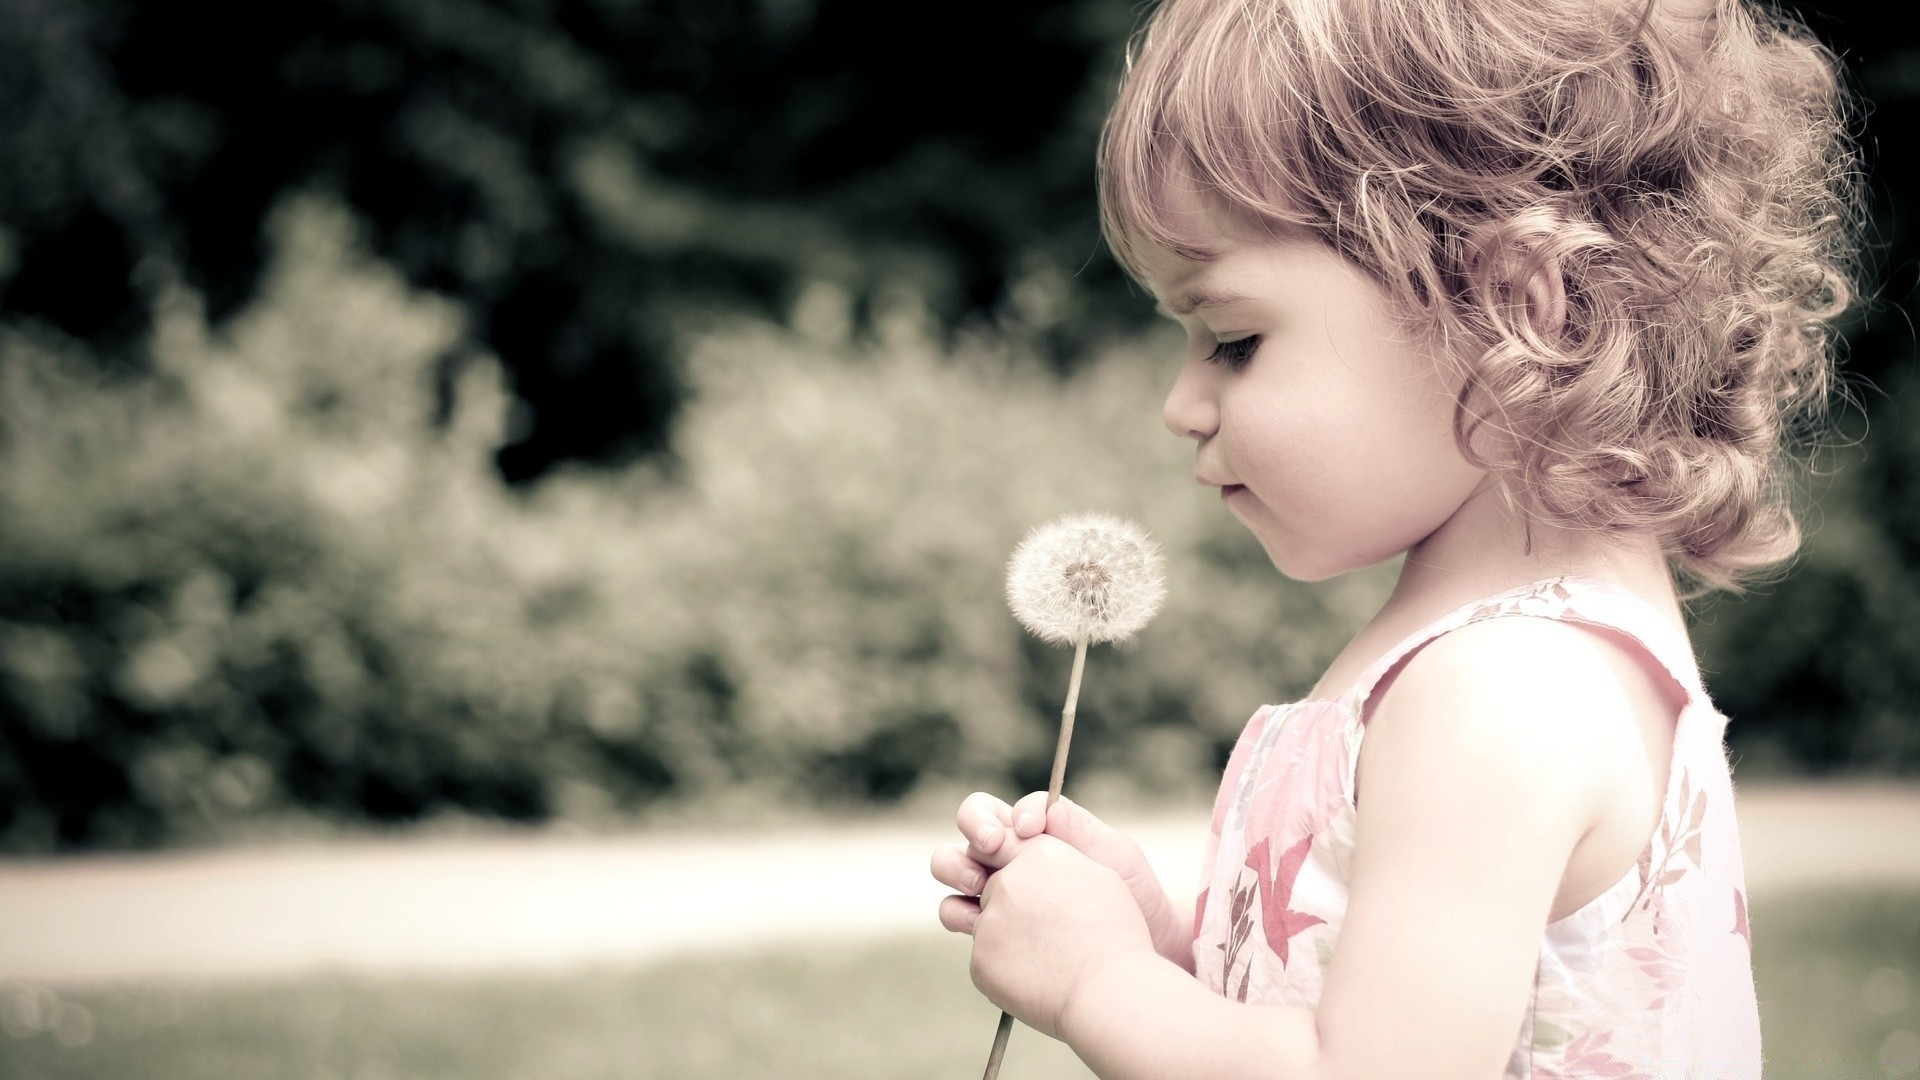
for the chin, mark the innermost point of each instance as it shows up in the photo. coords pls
(1294, 567)
(1309, 567)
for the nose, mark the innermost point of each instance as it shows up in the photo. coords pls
(1192, 409)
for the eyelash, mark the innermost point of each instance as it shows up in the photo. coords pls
(1235, 354)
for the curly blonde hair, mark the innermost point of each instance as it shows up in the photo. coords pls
(1686, 168)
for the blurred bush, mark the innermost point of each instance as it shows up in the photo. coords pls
(1821, 670)
(283, 575)
(257, 557)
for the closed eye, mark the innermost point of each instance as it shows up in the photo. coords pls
(1235, 354)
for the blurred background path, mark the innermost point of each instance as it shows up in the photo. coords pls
(422, 905)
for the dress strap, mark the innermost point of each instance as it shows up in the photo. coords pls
(1572, 598)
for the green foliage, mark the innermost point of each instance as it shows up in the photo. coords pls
(583, 176)
(283, 574)
(821, 282)
(220, 587)
(1821, 670)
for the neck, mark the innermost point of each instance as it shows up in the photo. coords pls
(1483, 548)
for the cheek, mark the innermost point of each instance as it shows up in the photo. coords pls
(1284, 453)
(1339, 492)
(1306, 442)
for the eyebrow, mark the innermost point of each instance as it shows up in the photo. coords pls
(1193, 300)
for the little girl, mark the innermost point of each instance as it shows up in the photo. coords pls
(1533, 292)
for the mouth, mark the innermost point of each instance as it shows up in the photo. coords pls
(1228, 491)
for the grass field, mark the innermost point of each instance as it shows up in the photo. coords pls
(1839, 977)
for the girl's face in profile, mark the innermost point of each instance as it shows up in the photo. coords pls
(1327, 424)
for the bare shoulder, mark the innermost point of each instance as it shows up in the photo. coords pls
(1517, 657)
(1488, 807)
(1571, 706)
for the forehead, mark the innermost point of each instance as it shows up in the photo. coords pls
(1188, 299)
(1195, 272)
(1175, 275)
(1211, 274)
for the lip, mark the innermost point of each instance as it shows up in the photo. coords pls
(1228, 491)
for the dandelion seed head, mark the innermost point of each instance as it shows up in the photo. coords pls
(1086, 575)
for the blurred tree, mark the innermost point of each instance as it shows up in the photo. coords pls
(216, 599)
(1821, 672)
(589, 177)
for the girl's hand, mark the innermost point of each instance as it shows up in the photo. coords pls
(986, 823)
(995, 832)
(1046, 921)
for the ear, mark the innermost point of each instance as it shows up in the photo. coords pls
(1547, 299)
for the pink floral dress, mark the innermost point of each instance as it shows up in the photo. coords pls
(1652, 978)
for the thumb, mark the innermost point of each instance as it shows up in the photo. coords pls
(1108, 846)
(1073, 823)
(1103, 844)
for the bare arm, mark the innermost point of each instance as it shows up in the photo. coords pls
(1472, 801)
(1142, 1018)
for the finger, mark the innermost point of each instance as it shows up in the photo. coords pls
(982, 820)
(994, 884)
(959, 913)
(953, 868)
(1030, 815)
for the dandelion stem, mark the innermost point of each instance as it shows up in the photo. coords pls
(1053, 796)
(999, 1046)
(1066, 722)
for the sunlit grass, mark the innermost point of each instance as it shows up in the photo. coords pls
(1839, 978)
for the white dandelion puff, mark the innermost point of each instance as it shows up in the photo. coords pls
(1089, 575)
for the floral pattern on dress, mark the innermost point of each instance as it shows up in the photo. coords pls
(1586, 1056)
(1279, 922)
(1651, 978)
(1662, 959)
(1686, 841)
